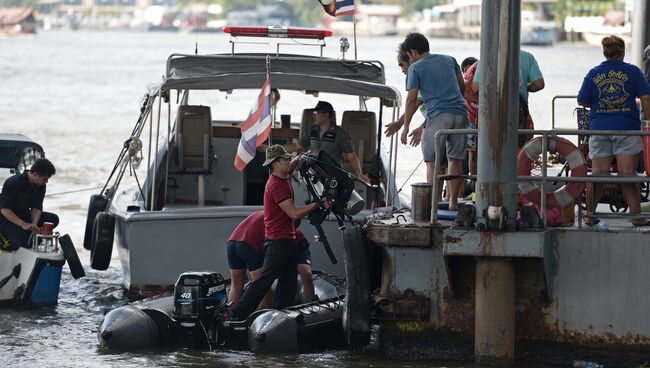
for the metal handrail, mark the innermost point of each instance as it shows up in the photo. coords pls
(558, 97)
(544, 178)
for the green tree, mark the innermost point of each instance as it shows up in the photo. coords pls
(17, 3)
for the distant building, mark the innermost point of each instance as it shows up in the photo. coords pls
(372, 20)
(265, 15)
(15, 21)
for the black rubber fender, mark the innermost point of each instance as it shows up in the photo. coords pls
(102, 244)
(356, 312)
(71, 256)
(97, 204)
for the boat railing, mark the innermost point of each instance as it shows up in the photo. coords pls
(545, 180)
(553, 100)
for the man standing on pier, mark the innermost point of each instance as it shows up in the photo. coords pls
(439, 80)
(21, 204)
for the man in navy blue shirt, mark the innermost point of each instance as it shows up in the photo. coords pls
(21, 205)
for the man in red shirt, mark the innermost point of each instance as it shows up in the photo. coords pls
(246, 252)
(279, 233)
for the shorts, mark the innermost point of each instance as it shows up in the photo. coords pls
(455, 143)
(303, 254)
(614, 145)
(241, 255)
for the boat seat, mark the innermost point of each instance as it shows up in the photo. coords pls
(306, 122)
(195, 153)
(362, 129)
(194, 132)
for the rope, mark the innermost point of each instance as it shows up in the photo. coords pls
(406, 181)
(73, 191)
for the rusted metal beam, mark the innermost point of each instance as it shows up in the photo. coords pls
(640, 30)
(494, 335)
(498, 110)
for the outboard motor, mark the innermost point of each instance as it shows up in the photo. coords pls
(199, 304)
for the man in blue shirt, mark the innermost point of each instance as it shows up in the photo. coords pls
(439, 80)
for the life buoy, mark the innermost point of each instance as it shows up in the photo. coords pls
(356, 311)
(97, 204)
(71, 256)
(577, 165)
(102, 244)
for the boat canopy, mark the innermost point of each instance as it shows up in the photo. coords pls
(14, 147)
(293, 72)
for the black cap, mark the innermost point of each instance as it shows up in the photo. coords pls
(324, 106)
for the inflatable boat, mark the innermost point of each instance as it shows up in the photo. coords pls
(194, 316)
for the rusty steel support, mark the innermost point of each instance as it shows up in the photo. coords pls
(498, 113)
(494, 334)
(496, 185)
(640, 30)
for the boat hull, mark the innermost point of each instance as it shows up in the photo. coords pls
(155, 247)
(30, 277)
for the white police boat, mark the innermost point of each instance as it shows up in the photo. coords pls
(184, 204)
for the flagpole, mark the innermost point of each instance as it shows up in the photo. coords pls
(354, 22)
(272, 97)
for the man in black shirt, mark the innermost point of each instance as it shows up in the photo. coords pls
(21, 204)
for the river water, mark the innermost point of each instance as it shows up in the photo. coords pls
(78, 95)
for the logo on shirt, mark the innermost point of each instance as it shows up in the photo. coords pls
(611, 88)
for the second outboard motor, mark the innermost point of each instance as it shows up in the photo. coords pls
(199, 301)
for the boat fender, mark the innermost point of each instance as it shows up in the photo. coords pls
(97, 204)
(128, 328)
(356, 311)
(567, 194)
(102, 244)
(71, 256)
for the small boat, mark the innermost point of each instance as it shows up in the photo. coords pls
(17, 21)
(31, 275)
(535, 31)
(194, 316)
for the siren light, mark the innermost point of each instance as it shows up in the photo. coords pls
(278, 32)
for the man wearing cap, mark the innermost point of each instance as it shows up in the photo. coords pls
(21, 205)
(325, 135)
(279, 233)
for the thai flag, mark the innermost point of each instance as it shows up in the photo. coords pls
(338, 7)
(255, 129)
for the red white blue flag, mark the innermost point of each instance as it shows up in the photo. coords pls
(255, 129)
(338, 7)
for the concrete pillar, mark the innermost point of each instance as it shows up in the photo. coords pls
(494, 335)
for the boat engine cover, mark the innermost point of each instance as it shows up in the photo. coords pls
(198, 296)
(273, 331)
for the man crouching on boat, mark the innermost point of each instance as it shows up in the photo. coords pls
(279, 233)
(246, 252)
(21, 204)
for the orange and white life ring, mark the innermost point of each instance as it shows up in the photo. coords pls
(577, 165)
